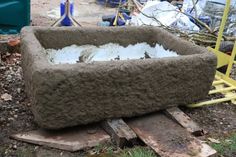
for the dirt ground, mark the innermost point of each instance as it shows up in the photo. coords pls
(15, 115)
(87, 12)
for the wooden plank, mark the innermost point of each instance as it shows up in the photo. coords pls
(185, 121)
(72, 139)
(167, 138)
(120, 132)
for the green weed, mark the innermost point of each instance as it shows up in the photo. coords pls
(137, 152)
(226, 146)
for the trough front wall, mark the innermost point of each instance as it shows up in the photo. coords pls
(96, 92)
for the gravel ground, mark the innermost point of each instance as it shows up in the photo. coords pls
(14, 107)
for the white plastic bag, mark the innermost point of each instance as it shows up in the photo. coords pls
(157, 13)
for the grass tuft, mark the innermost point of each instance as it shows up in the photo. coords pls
(226, 146)
(137, 152)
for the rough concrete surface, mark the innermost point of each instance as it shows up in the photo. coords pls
(68, 95)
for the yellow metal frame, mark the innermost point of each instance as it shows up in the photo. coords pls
(222, 84)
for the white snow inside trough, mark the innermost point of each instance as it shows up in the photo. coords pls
(108, 52)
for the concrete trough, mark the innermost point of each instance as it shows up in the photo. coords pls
(65, 95)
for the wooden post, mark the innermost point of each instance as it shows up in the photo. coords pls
(119, 131)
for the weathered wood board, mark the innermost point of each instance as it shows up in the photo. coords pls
(119, 131)
(185, 121)
(167, 138)
(72, 139)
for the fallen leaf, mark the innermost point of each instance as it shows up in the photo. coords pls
(14, 42)
(6, 97)
(228, 141)
(213, 140)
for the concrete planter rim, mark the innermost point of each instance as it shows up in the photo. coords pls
(28, 33)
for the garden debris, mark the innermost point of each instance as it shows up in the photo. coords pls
(9, 45)
(163, 14)
(212, 11)
(6, 97)
(213, 140)
(14, 42)
(190, 22)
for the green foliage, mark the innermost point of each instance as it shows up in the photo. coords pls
(137, 152)
(105, 150)
(226, 146)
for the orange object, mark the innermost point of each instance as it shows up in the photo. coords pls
(14, 42)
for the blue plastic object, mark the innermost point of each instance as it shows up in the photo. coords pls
(14, 14)
(126, 16)
(120, 21)
(66, 21)
(205, 19)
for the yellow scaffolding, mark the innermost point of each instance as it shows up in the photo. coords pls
(222, 84)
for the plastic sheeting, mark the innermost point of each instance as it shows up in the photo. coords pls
(157, 13)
